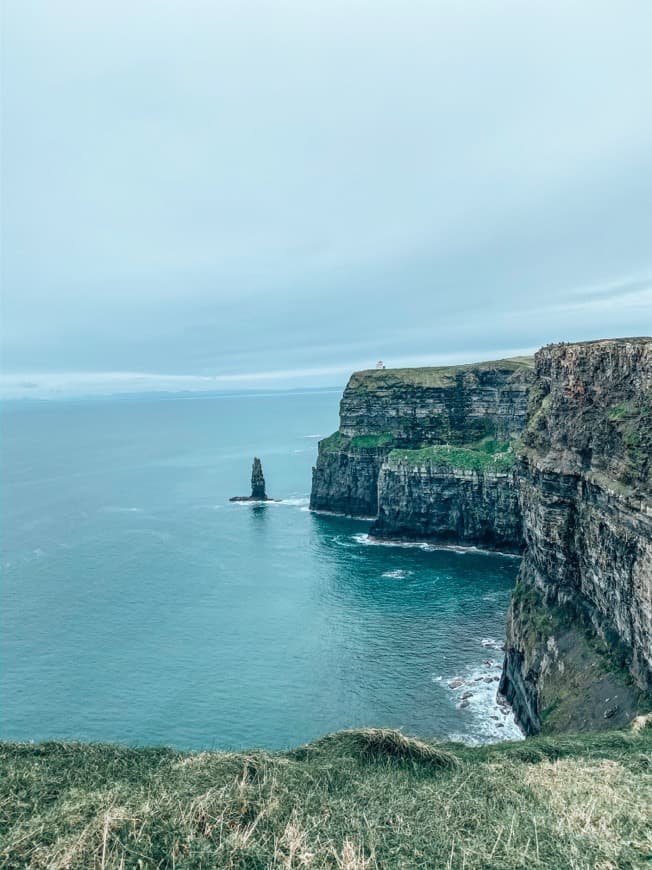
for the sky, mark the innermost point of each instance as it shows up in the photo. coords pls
(207, 194)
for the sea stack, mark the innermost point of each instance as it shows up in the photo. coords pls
(257, 484)
(258, 481)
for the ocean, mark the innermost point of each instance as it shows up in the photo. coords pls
(140, 606)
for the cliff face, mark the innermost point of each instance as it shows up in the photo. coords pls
(411, 409)
(580, 622)
(423, 499)
(444, 405)
(345, 478)
(435, 454)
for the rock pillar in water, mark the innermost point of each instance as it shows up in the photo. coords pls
(258, 481)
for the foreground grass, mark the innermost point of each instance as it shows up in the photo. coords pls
(360, 799)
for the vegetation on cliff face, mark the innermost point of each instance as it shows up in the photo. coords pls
(354, 800)
(336, 442)
(488, 456)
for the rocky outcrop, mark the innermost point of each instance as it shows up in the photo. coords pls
(385, 410)
(258, 481)
(419, 499)
(581, 616)
(258, 492)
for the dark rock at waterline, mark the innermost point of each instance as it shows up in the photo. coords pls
(258, 491)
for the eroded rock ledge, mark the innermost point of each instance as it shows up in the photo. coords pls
(550, 457)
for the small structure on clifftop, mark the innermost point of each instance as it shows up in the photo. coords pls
(257, 485)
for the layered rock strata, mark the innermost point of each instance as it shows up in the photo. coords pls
(383, 411)
(421, 499)
(581, 616)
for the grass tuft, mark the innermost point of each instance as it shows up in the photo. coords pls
(386, 744)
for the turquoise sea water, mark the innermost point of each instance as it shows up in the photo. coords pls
(139, 605)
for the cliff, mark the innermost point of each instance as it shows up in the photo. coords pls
(552, 458)
(367, 468)
(579, 629)
(425, 495)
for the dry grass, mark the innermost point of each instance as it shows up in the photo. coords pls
(357, 800)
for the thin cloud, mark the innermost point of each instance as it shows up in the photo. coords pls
(252, 191)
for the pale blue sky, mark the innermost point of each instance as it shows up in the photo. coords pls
(250, 194)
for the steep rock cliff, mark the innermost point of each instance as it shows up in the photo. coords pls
(382, 410)
(421, 498)
(450, 404)
(579, 630)
(345, 478)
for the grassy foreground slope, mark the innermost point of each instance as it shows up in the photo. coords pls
(358, 799)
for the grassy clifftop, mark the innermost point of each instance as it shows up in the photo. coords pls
(432, 376)
(360, 799)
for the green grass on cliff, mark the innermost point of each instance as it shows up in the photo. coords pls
(337, 442)
(354, 800)
(431, 376)
(488, 456)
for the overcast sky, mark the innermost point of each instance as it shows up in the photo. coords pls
(206, 193)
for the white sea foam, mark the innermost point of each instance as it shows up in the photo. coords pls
(314, 436)
(363, 538)
(300, 502)
(366, 539)
(492, 643)
(491, 721)
(398, 574)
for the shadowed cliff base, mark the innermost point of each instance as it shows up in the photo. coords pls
(576, 680)
(361, 799)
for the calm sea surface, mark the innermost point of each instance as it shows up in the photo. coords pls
(139, 605)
